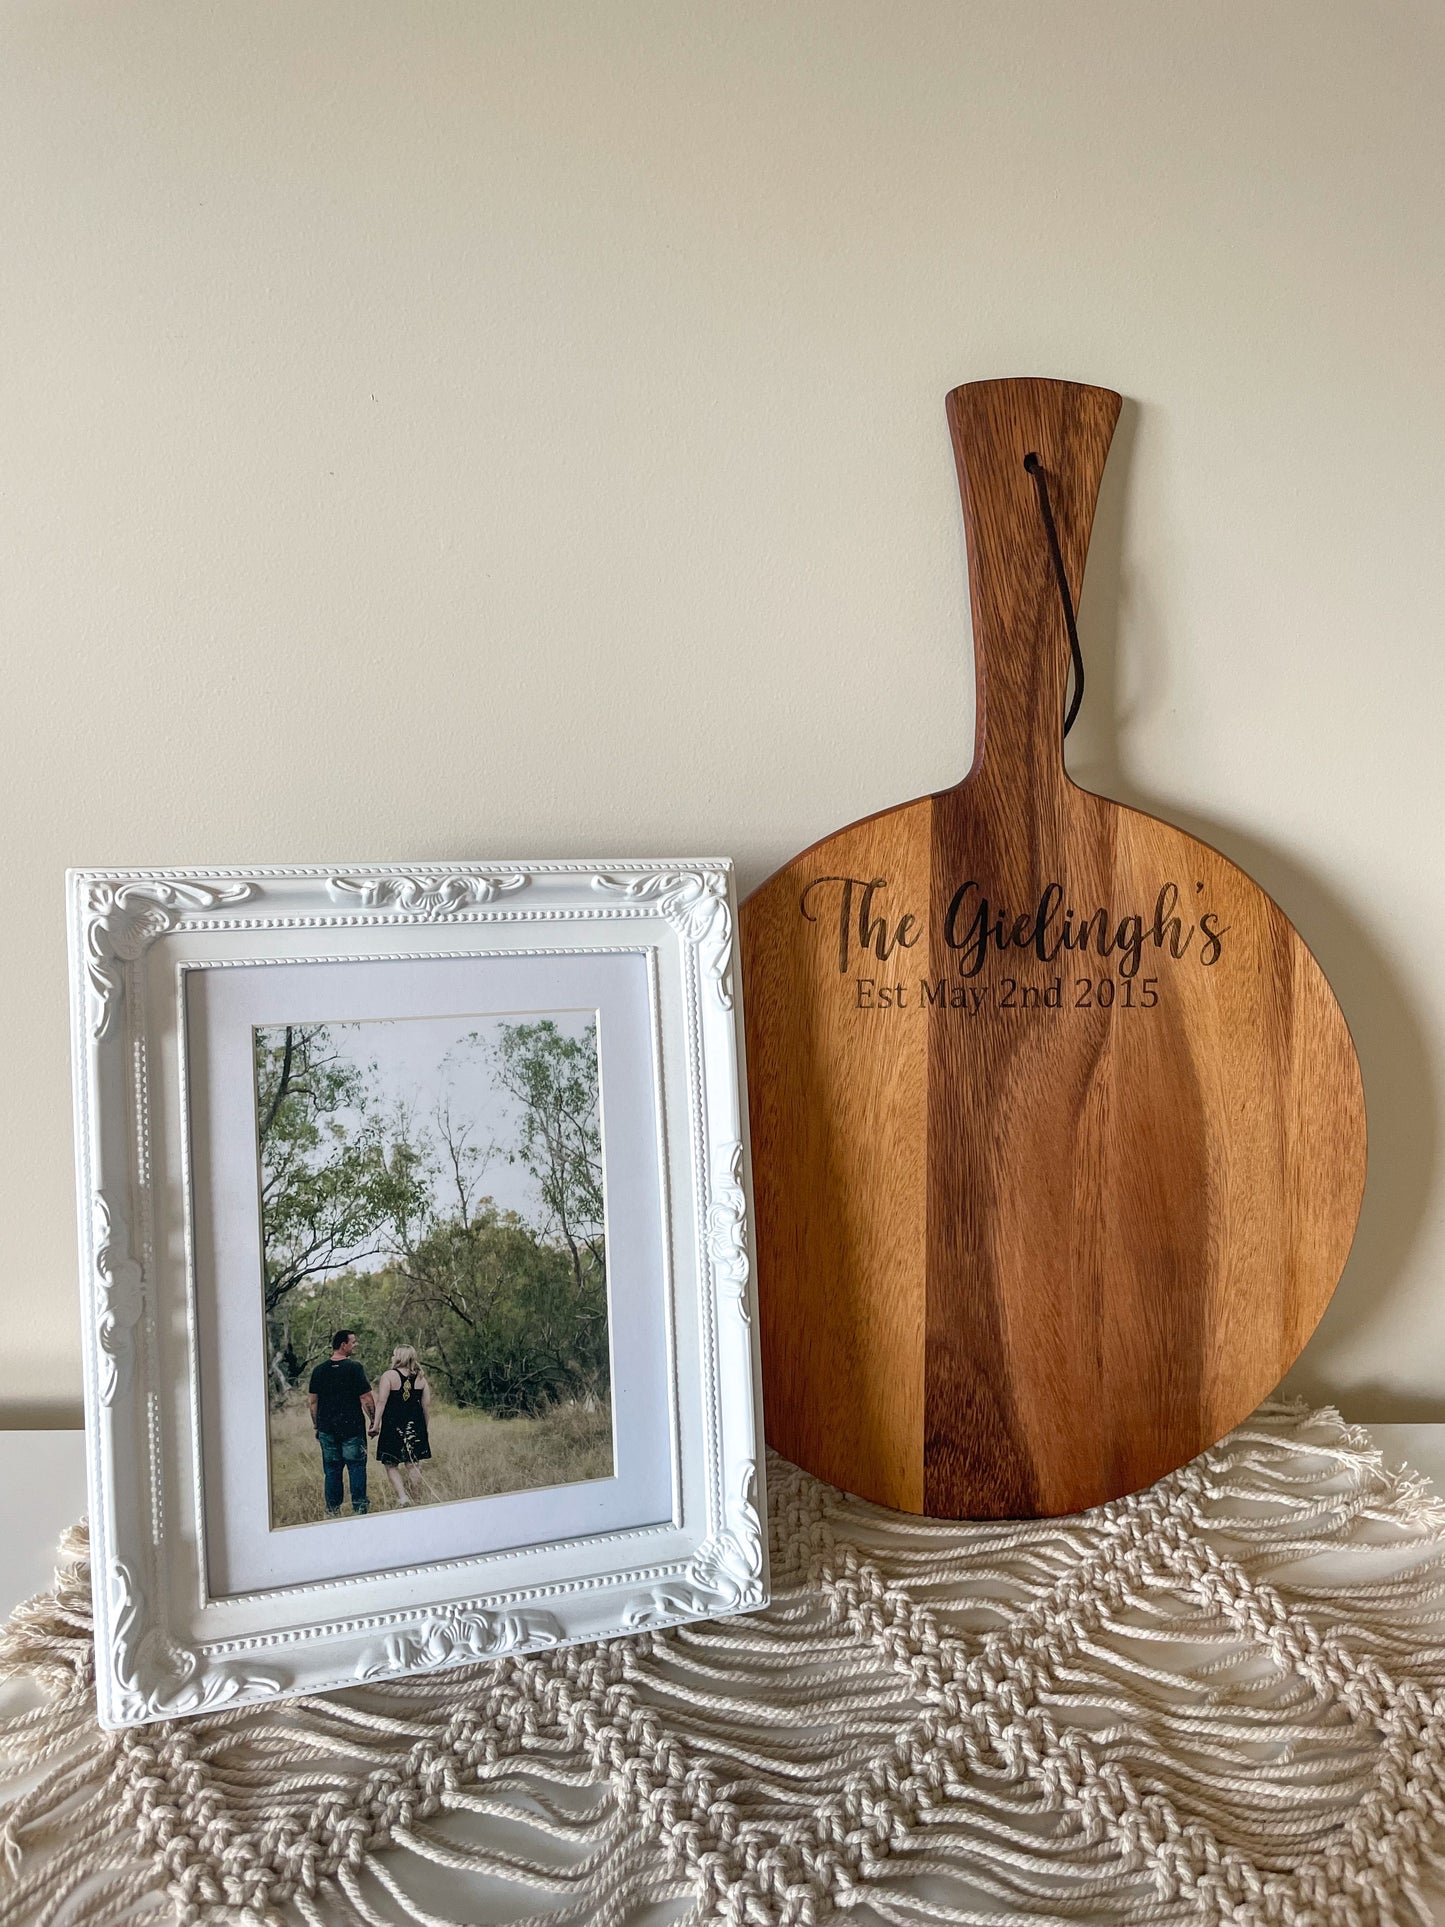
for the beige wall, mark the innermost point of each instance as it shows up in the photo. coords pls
(458, 430)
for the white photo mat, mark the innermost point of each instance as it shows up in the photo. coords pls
(198, 1602)
(222, 1005)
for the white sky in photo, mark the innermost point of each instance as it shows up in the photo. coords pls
(418, 1060)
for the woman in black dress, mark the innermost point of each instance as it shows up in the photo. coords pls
(403, 1404)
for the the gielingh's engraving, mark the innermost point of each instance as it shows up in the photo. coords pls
(975, 927)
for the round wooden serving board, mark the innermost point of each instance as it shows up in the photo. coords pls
(1058, 1134)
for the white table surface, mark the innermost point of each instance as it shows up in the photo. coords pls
(46, 1493)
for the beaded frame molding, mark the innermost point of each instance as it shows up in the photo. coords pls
(166, 1644)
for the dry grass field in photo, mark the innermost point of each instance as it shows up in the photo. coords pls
(473, 1454)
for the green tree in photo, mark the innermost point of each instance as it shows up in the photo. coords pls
(501, 1314)
(516, 1314)
(331, 1181)
(553, 1079)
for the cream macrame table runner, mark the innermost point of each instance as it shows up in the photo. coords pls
(1220, 1700)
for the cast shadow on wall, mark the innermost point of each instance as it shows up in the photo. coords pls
(1400, 1098)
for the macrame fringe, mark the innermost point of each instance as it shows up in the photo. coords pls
(1217, 1701)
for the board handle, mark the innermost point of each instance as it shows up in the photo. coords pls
(1020, 639)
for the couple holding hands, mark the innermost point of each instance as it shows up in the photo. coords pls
(344, 1410)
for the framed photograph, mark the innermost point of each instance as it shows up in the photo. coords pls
(415, 1265)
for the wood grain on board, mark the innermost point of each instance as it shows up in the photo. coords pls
(1058, 1134)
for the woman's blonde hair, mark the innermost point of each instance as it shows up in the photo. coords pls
(404, 1359)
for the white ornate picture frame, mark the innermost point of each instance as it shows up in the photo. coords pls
(182, 1623)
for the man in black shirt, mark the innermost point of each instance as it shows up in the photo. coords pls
(341, 1410)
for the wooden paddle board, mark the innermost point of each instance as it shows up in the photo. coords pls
(1058, 1132)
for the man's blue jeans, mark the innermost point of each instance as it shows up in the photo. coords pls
(336, 1453)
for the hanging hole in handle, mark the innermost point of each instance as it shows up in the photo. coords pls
(1032, 463)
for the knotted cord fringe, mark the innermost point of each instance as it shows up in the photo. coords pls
(1218, 1701)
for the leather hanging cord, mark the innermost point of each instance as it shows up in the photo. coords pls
(1076, 655)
